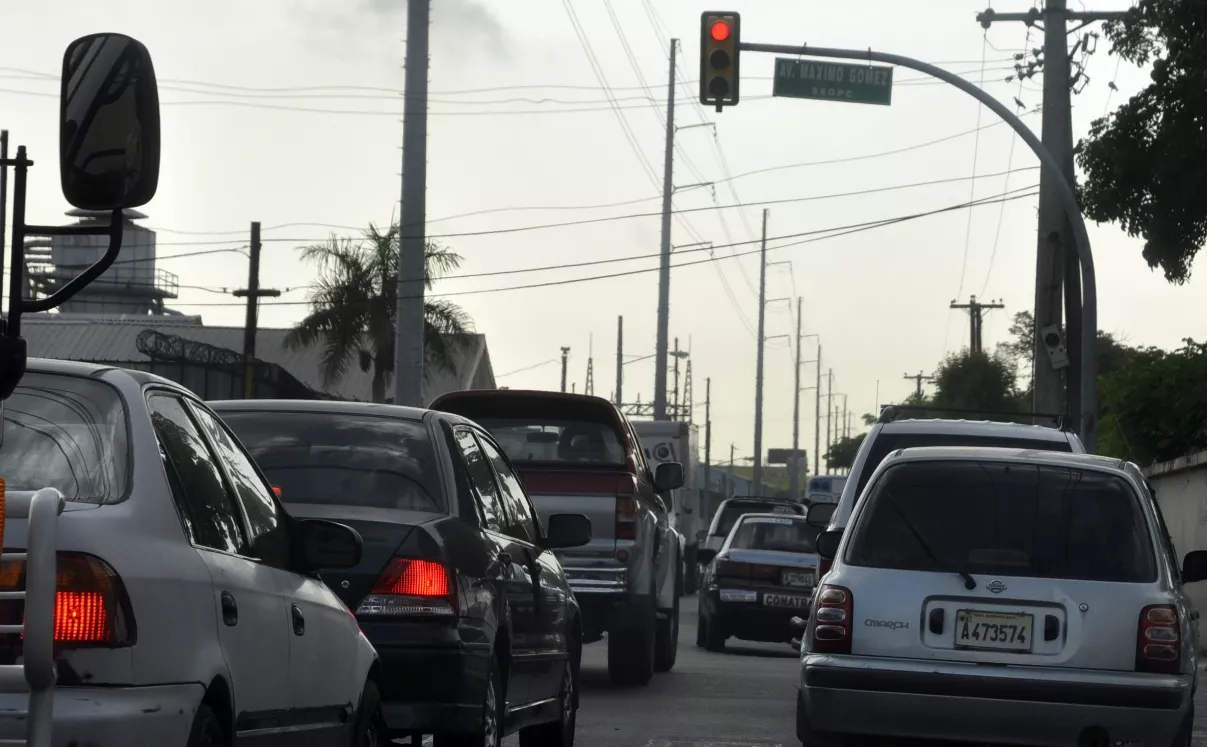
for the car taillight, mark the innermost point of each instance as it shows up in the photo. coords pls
(730, 569)
(411, 587)
(1159, 644)
(832, 620)
(91, 606)
(626, 518)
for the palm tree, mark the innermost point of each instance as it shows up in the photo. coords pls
(352, 307)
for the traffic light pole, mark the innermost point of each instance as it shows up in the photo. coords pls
(661, 350)
(1089, 311)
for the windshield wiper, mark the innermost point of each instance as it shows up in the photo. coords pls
(969, 581)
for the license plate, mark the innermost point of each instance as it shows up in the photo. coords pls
(798, 578)
(993, 631)
(785, 600)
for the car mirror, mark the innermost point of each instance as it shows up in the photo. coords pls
(819, 514)
(705, 555)
(1194, 567)
(567, 530)
(827, 544)
(326, 544)
(108, 123)
(668, 476)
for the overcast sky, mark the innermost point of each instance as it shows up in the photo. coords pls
(288, 112)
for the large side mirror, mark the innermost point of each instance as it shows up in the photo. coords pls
(668, 476)
(1194, 567)
(566, 530)
(109, 123)
(705, 555)
(827, 544)
(326, 544)
(819, 514)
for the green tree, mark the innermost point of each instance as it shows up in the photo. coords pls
(976, 381)
(353, 306)
(1143, 163)
(842, 452)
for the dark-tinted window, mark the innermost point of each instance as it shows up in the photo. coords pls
(886, 443)
(514, 497)
(734, 511)
(778, 535)
(556, 440)
(355, 460)
(1004, 519)
(207, 509)
(69, 433)
(483, 480)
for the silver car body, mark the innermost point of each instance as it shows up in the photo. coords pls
(920, 685)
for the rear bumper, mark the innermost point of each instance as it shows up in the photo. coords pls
(969, 702)
(753, 620)
(112, 716)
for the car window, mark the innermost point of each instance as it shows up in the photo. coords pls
(514, 497)
(207, 509)
(734, 511)
(775, 535)
(68, 433)
(353, 460)
(556, 440)
(269, 537)
(1005, 519)
(483, 480)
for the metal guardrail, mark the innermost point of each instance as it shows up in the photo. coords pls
(36, 674)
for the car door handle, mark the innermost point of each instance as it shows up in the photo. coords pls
(299, 622)
(230, 610)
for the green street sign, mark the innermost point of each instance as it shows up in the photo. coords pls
(833, 81)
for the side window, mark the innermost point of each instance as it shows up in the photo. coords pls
(483, 480)
(269, 533)
(209, 512)
(514, 496)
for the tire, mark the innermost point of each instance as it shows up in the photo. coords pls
(370, 729)
(666, 639)
(558, 733)
(715, 637)
(207, 729)
(631, 654)
(492, 717)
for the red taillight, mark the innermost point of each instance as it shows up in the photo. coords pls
(90, 603)
(831, 623)
(626, 519)
(1159, 643)
(411, 587)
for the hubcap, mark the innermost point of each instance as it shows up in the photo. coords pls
(490, 719)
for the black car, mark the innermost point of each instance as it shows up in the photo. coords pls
(478, 633)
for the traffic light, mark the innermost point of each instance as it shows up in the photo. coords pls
(719, 35)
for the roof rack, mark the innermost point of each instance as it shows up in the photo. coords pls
(891, 413)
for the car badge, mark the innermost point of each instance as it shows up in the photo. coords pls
(996, 586)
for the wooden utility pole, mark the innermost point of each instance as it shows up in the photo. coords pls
(253, 293)
(565, 360)
(976, 316)
(917, 378)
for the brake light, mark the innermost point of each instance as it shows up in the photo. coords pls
(411, 587)
(91, 606)
(626, 519)
(831, 623)
(1158, 645)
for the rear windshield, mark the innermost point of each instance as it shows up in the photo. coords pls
(886, 443)
(779, 535)
(734, 511)
(1004, 519)
(341, 459)
(69, 433)
(550, 440)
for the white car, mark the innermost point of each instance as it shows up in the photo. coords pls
(1002, 596)
(189, 608)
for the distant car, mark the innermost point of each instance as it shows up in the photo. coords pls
(1009, 596)
(189, 610)
(761, 578)
(478, 632)
(728, 513)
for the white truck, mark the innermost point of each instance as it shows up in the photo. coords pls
(677, 441)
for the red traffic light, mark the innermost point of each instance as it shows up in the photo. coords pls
(720, 31)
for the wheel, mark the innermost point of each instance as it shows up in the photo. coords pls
(492, 717)
(558, 733)
(631, 654)
(715, 636)
(370, 730)
(207, 729)
(666, 640)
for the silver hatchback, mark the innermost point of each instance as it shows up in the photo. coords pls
(1005, 596)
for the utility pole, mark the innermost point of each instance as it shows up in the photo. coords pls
(844, 424)
(664, 267)
(758, 376)
(817, 417)
(917, 379)
(829, 413)
(796, 465)
(253, 294)
(619, 360)
(565, 360)
(675, 414)
(976, 317)
(707, 435)
(412, 266)
(589, 384)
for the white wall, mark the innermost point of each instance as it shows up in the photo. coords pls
(1181, 487)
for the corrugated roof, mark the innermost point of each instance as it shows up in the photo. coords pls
(112, 340)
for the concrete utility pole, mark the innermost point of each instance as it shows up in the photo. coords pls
(589, 384)
(675, 414)
(844, 424)
(795, 466)
(412, 265)
(917, 379)
(619, 360)
(253, 294)
(976, 317)
(758, 375)
(565, 360)
(664, 267)
(817, 417)
(829, 413)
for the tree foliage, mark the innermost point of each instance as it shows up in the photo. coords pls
(842, 452)
(971, 380)
(353, 306)
(1143, 163)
